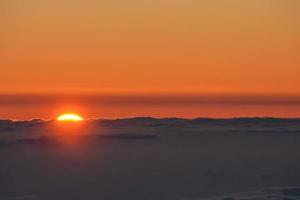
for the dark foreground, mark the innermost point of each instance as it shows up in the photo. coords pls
(145, 158)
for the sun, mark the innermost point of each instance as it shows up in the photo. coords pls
(69, 117)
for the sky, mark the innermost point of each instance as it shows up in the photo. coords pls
(248, 47)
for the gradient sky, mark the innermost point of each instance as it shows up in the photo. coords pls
(161, 58)
(143, 46)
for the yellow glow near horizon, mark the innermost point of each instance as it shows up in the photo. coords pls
(70, 117)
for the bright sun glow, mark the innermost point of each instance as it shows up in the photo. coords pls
(70, 117)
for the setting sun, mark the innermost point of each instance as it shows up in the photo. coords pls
(70, 117)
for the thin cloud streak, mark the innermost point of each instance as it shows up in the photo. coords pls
(151, 99)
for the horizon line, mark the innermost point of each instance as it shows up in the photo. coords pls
(159, 118)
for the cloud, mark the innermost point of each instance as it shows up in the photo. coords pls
(275, 193)
(24, 197)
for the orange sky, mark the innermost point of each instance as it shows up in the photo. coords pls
(161, 58)
(157, 46)
(120, 106)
